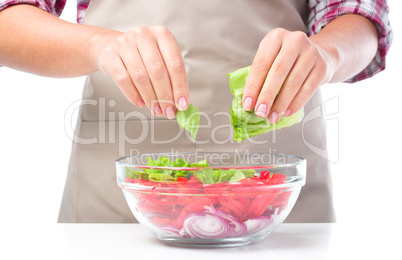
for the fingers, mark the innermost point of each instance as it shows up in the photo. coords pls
(262, 63)
(147, 66)
(307, 75)
(175, 66)
(116, 69)
(273, 83)
(157, 72)
(291, 86)
(311, 84)
(139, 78)
(289, 64)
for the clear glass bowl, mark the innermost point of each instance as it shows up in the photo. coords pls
(193, 214)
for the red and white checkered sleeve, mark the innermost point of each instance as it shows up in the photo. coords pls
(54, 7)
(322, 12)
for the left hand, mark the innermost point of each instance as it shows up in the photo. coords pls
(288, 62)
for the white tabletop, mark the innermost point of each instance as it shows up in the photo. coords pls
(132, 241)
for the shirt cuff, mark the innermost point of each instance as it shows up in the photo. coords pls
(323, 13)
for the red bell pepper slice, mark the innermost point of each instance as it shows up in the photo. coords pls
(264, 175)
(182, 179)
(234, 207)
(258, 205)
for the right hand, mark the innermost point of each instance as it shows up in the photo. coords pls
(147, 65)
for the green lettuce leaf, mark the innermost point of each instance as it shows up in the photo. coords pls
(162, 161)
(189, 120)
(209, 176)
(203, 163)
(248, 173)
(206, 176)
(247, 124)
(237, 176)
(163, 175)
(136, 174)
(157, 177)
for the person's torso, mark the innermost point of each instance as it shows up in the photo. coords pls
(215, 37)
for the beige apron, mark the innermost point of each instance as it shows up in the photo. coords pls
(215, 37)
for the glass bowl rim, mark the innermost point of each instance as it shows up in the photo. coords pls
(138, 187)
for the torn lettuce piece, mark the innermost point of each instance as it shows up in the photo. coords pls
(206, 175)
(189, 120)
(161, 177)
(202, 163)
(161, 162)
(164, 175)
(131, 173)
(237, 176)
(247, 124)
(209, 176)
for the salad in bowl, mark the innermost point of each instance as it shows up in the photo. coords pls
(211, 199)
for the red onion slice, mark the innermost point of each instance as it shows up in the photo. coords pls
(258, 224)
(239, 229)
(205, 225)
(214, 223)
(171, 230)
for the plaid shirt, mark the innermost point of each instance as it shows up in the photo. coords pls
(321, 12)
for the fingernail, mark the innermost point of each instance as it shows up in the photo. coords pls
(182, 104)
(141, 103)
(248, 104)
(261, 111)
(170, 112)
(158, 111)
(287, 113)
(272, 117)
(278, 118)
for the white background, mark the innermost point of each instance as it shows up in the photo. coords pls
(365, 149)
